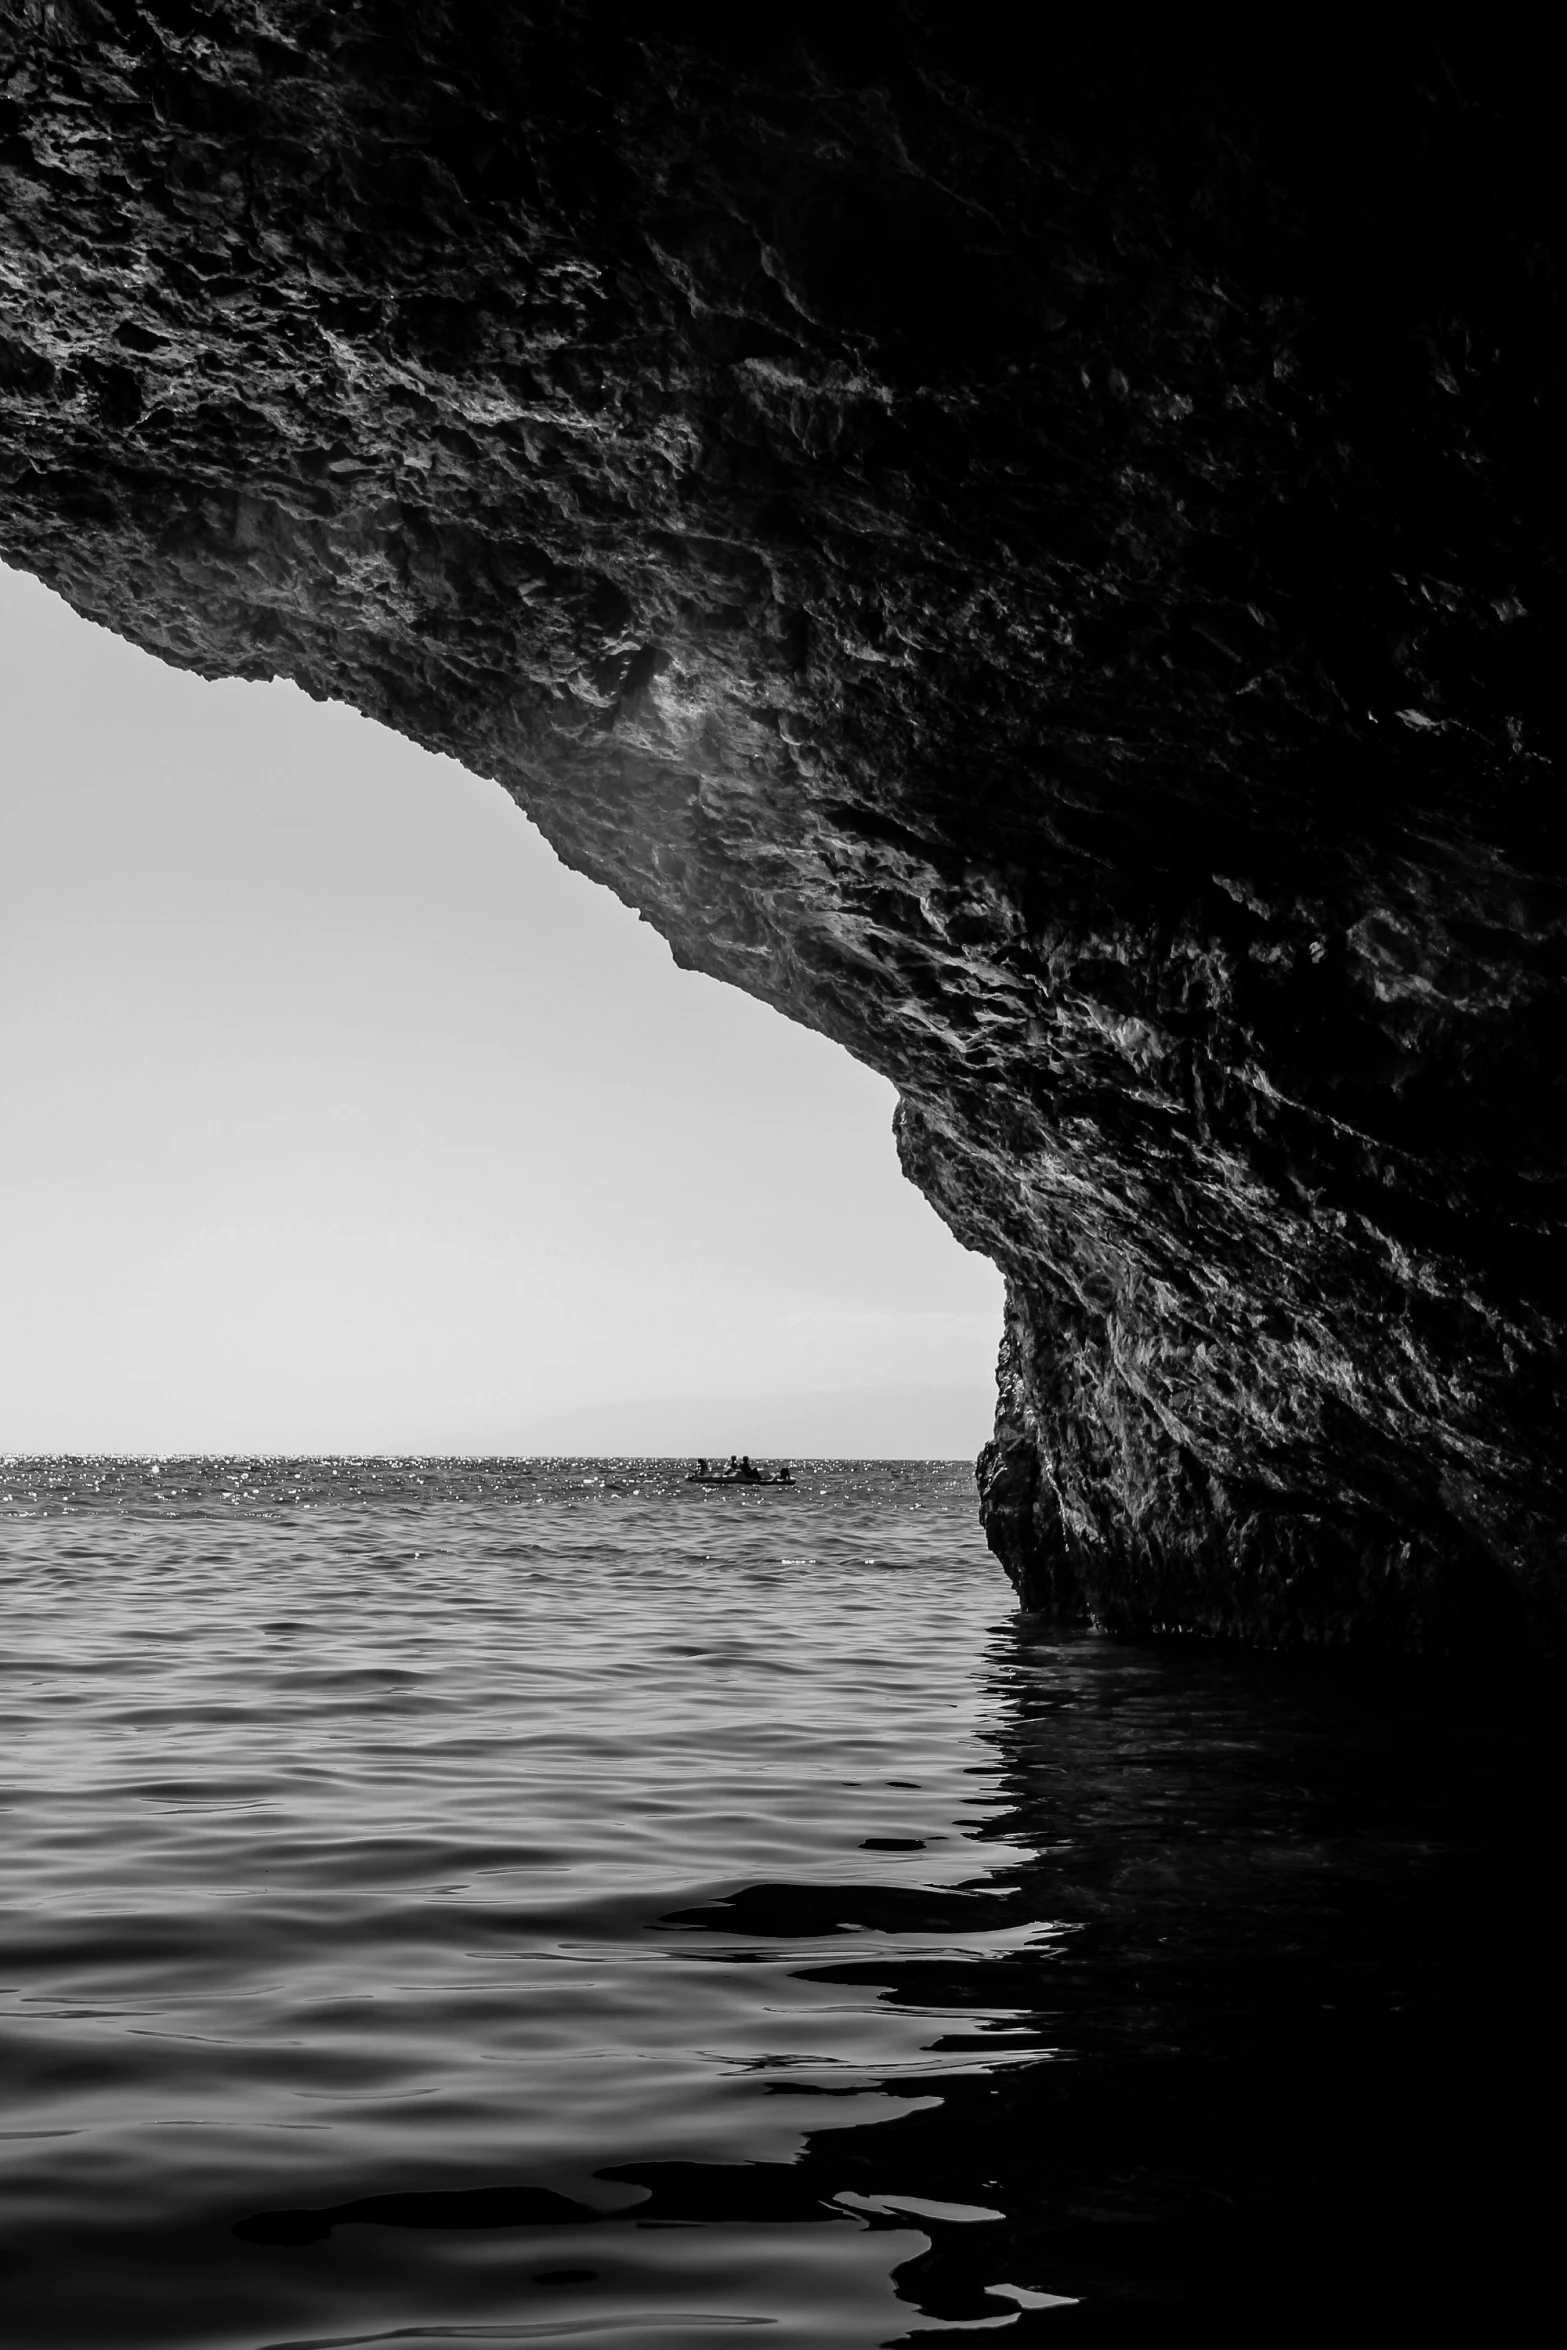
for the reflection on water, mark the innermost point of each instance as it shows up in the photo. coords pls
(484, 1902)
(1293, 1954)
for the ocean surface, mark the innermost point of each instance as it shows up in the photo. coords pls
(492, 1902)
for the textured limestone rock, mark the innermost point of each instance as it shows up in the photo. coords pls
(1037, 558)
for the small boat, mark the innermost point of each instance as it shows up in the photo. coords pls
(744, 1475)
(746, 1482)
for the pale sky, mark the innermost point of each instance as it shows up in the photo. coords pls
(337, 1115)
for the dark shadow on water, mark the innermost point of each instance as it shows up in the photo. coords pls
(1285, 2046)
(1305, 2016)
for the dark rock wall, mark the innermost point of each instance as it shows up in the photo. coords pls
(1039, 557)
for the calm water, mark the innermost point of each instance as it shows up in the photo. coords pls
(463, 1902)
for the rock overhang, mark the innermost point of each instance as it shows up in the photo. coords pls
(1041, 562)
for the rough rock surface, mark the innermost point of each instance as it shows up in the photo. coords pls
(1038, 560)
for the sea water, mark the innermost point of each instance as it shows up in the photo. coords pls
(531, 1902)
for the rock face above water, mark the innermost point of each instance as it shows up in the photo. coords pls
(1038, 559)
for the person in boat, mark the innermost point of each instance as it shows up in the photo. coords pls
(786, 1475)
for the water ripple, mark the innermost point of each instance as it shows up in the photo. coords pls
(509, 1902)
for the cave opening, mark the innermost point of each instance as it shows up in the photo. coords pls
(346, 1118)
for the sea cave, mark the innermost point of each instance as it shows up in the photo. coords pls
(1034, 552)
